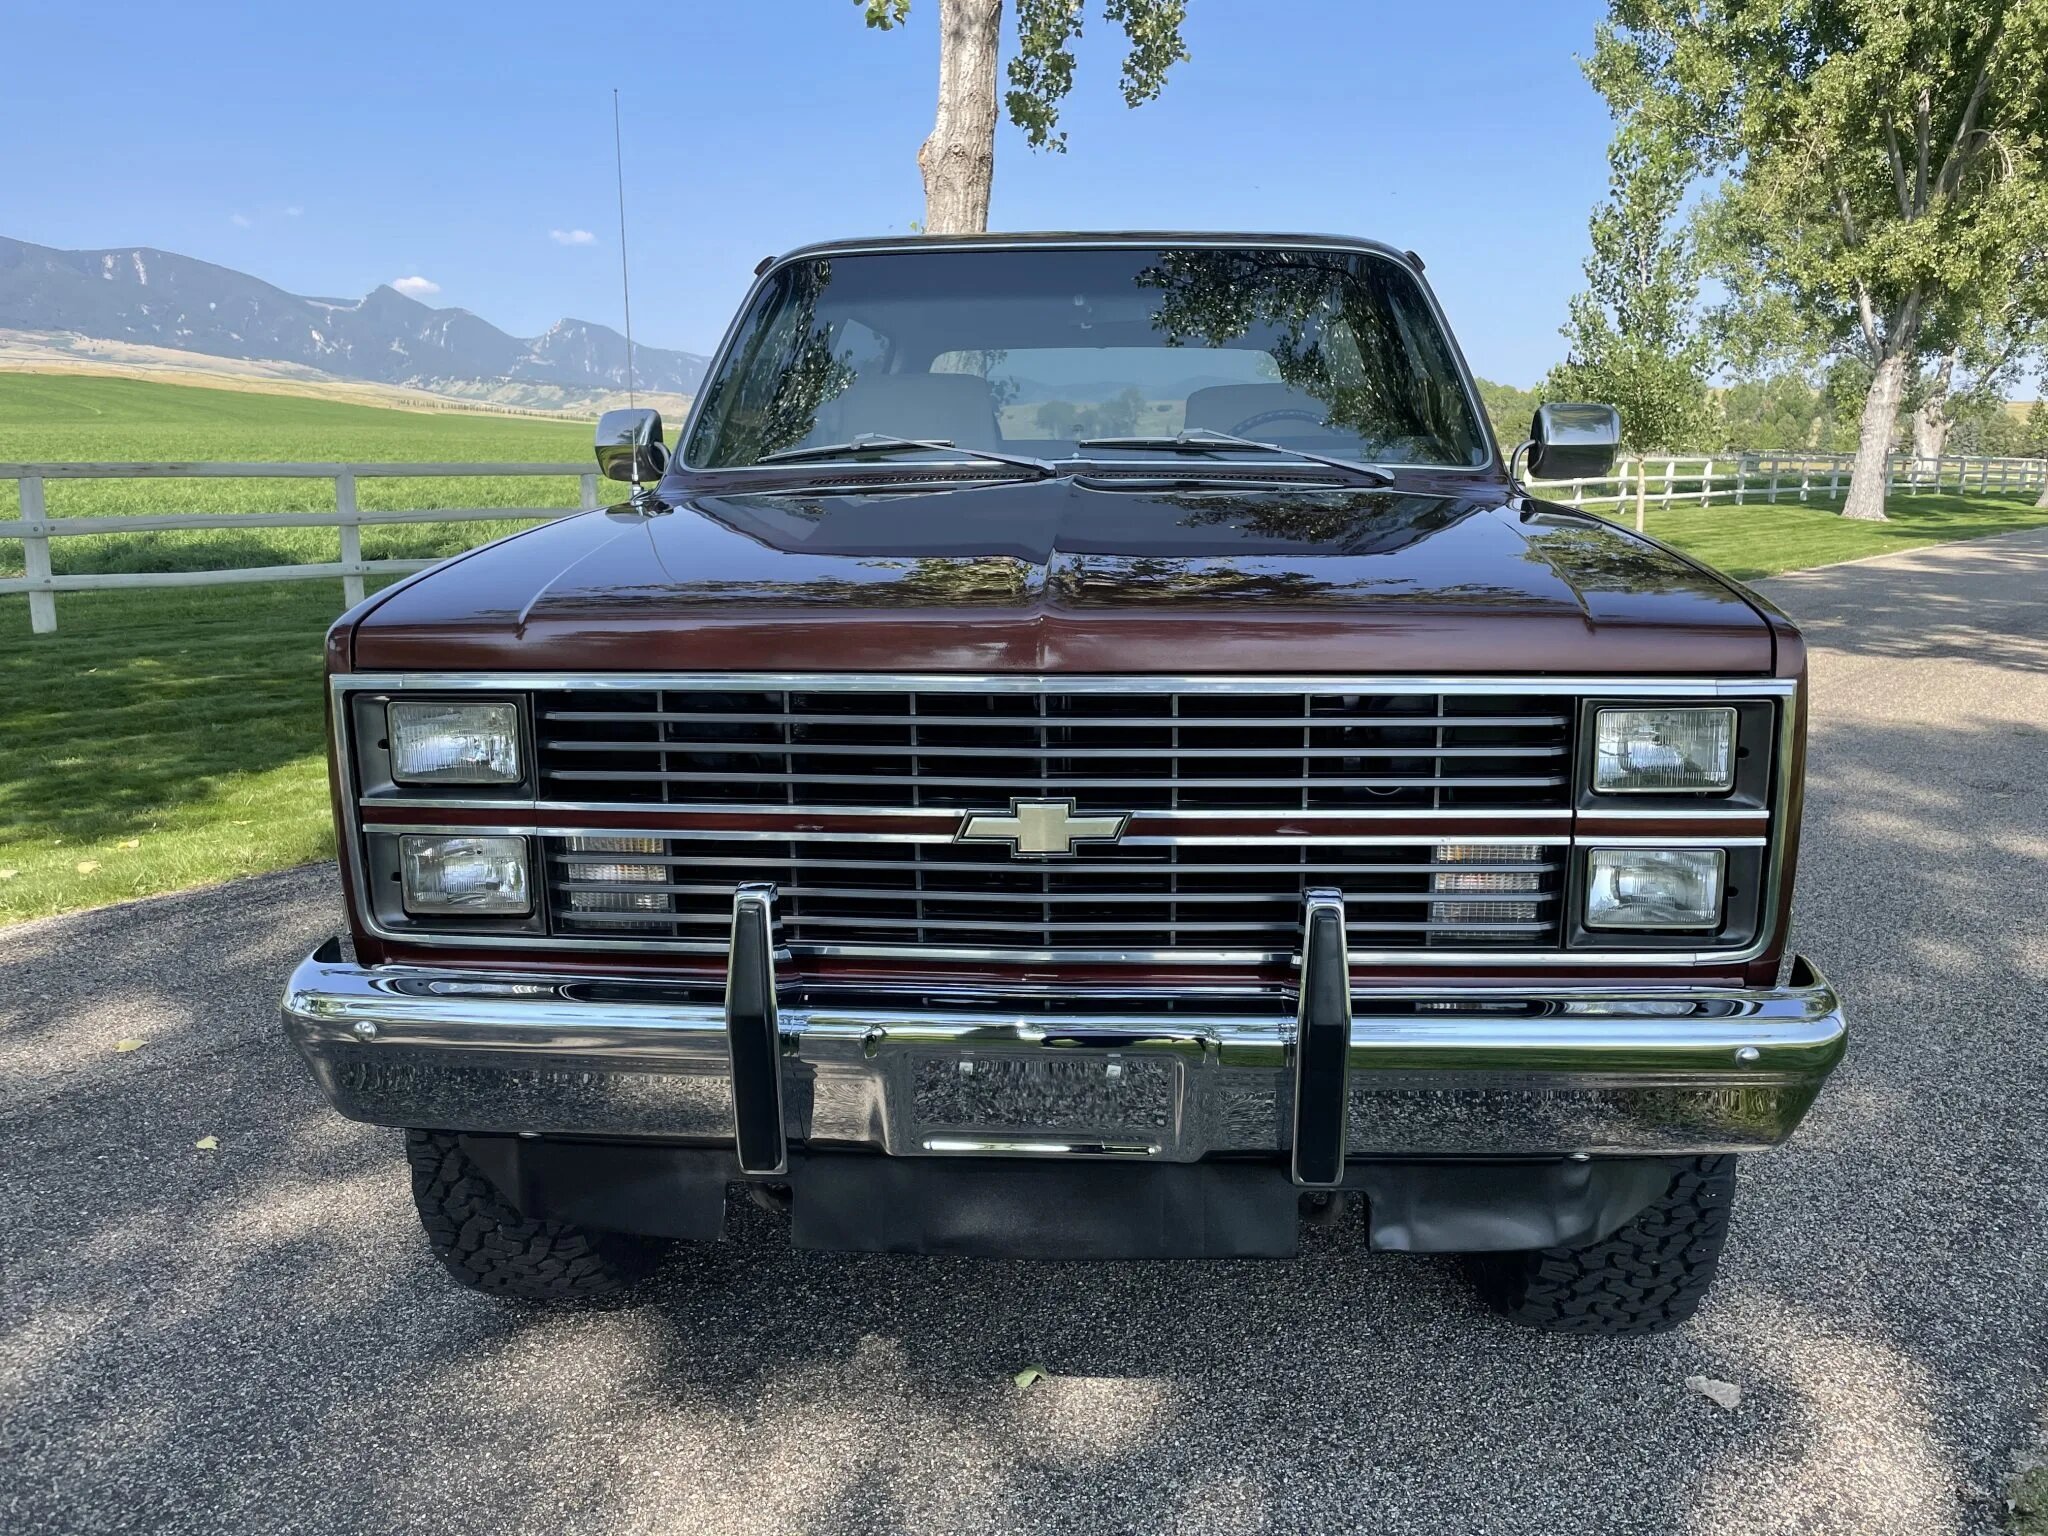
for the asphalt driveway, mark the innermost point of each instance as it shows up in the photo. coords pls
(253, 1338)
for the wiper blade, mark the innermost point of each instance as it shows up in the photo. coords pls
(1202, 440)
(883, 442)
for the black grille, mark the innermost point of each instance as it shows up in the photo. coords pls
(1108, 751)
(1128, 896)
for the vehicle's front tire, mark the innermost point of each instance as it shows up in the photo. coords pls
(487, 1245)
(1647, 1278)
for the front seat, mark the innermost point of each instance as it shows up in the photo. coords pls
(1237, 407)
(956, 406)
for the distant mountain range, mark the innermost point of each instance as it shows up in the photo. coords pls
(145, 297)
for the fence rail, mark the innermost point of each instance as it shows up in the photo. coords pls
(35, 527)
(1702, 479)
(1635, 482)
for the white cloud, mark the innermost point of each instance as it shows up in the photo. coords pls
(415, 287)
(292, 211)
(240, 220)
(572, 237)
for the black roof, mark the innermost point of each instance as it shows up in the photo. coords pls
(1084, 238)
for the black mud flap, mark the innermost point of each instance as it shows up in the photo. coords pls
(1022, 1209)
(650, 1190)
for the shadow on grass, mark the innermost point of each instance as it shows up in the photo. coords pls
(161, 740)
(138, 704)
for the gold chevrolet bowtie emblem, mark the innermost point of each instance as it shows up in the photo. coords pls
(1041, 829)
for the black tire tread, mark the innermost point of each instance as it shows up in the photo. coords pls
(487, 1245)
(1649, 1277)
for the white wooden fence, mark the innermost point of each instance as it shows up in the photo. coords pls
(36, 527)
(1702, 479)
(1635, 482)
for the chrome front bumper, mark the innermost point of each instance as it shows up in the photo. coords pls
(1428, 1072)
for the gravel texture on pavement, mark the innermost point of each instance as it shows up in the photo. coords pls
(254, 1339)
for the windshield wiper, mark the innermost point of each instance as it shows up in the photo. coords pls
(1202, 440)
(883, 442)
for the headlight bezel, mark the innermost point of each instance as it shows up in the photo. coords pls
(1744, 879)
(373, 747)
(384, 888)
(1755, 751)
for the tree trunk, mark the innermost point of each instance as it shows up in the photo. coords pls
(959, 159)
(1930, 421)
(1874, 440)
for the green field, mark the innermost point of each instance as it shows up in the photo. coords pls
(57, 418)
(1758, 540)
(170, 738)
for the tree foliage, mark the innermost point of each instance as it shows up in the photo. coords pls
(2034, 434)
(1635, 344)
(1509, 409)
(1041, 72)
(1888, 169)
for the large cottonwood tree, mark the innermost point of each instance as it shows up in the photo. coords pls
(1885, 163)
(958, 161)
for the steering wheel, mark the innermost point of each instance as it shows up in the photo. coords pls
(1284, 413)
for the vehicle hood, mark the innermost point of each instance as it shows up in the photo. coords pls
(1074, 576)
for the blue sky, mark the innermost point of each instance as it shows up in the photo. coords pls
(328, 148)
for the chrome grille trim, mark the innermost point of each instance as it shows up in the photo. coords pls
(1035, 682)
(1227, 896)
(542, 816)
(1318, 748)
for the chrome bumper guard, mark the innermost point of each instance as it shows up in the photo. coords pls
(1313, 1074)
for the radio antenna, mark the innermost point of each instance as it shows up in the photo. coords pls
(625, 279)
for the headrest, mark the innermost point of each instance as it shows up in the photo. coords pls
(955, 406)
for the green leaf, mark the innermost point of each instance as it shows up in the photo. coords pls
(1029, 1376)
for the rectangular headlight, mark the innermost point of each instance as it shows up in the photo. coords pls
(464, 876)
(443, 742)
(1664, 751)
(1654, 887)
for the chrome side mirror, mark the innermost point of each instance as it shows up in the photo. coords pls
(629, 446)
(1574, 442)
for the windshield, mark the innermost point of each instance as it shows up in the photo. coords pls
(1034, 351)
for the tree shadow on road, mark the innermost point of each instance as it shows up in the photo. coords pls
(257, 1339)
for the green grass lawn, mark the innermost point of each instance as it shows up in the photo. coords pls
(160, 740)
(1757, 540)
(58, 418)
(166, 739)
(170, 738)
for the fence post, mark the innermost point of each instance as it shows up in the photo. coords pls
(1706, 482)
(1642, 490)
(590, 491)
(35, 556)
(1774, 482)
(351, 538)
